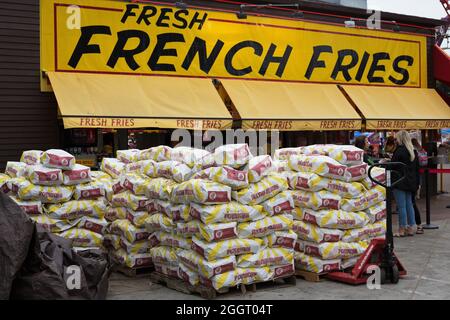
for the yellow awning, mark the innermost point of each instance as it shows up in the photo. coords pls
(400, 108)
(291, 106)
(119, 101)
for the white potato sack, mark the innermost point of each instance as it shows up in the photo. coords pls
(228, 212)
(233, 155)
(168, 270)
(379, 174)
(286, 153)
(316, 150)
(137, 247)
(377, 229)
(238, 276)
(218, 231)
(344, 189)
(75, 209)
(316, 200)
(60, 159)
(367, 200)
(83, 238)
(335, 219)
(128, 231)
(16, 169)
(92, 224)
(176, 212)
(31, 157)
(280, 166)
(158, 154)
(137, 218)
(191, 156)
(205, 268)
(130, 200)
(173, 240)
(312, 233)
(52, 225)
(259, 167)
(348, 155)
(188, 275)
(159, 188)
(89, 191)
(306, 181)
(281, 239)
(299, 245)
(261, 191)
(165, 255)
(128, 156)
(188, 229)
(281, 203)
(376, 212)
(100, 176)
(116, 213)
(133, 260)
(356, 235)
(15, 184)
(30, 207)
(78, 174)
(201, 191)
(148, 167)
(203, 174)
(47, 194)
(266, 226)
(236, 179)
(266, 257)
(335, 250)
(321, 165)
(40, 175)
(4, 178)
(297, 213)
(159, 222)
(282, 271)
(173, 170)
(356, 172)
(314, 264)
(136, 167)
(134, 182)
(349, 263)
(216, 250)
(113, 167)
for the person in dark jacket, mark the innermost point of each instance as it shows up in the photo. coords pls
(405, 190)
(413, 198)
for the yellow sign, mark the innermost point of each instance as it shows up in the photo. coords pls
(299, 125)
(406, 124)
(142, 39)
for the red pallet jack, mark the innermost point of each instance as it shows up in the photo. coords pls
(380, 252)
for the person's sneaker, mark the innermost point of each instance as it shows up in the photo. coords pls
(410, 231)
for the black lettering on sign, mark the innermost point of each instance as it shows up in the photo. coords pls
(128, 54)
(402, 71)
(197, 20)
(257, 49)
(179, 18)
(344, 68)
(377, 57)
(315, 62)
(270, 58)
(163, 16)
(362, 66)
(144, 16)
(199, 47)
(129, 12)
(161, 51)
(83, 45)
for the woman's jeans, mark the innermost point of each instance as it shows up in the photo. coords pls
(405, 208)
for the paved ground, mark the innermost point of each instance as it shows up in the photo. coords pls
(426, 257)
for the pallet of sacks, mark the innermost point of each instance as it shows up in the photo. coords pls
(64, 197)
(338, 209)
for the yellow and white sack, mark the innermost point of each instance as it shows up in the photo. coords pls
(116, 213)
(174, 170)
(335, 250)
(349, 263)
(233, 155)
(191, 156)
(113, 167)
(75, 209)
(165, 255)
(128, 156)
(367, 200)
(216, 250)
(203, 174)
(60, 159)
(78, 174)
(313, 233)
(127, 230)
(188, 275)
(176, 212)
(377, 229)
(4, 178)
(137, 247)
(188, 229)
(282, 271)
(344, 189)
(52, 225)
(89, 191)
(376, 212)
(321, 165)
(137, 218)
(306, 181)
(16, 169)
(159, 222)
(159, 188)
(280, 166)
(281, 239)
(133, 260)
(31, 207)
(259, 167)
(46, 194)
(205, 268)
(348, 155)
(261, 191)
(201, 191)
(100, 176)
(158, 154)
(173, 240)
(316, 200)
(229, 212)
(168, 270)
(379, 174)
(286, 153)
(356, 172)
(266, 226)
(134, 182)
(314, 264)
(266, 257)
(40, 175)
(130, 200)
(31, 157)
(237, 277)
(335, 219)
(218, 231)
(236, 179)
(356, 235)
(92, 224)
(83, 238)
(281, 203)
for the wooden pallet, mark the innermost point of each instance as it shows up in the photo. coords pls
(310, 276)
(135, 272)
(211, 293)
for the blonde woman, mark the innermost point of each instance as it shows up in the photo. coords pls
(403, 192)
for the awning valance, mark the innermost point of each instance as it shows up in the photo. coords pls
(291, 106)
(387, 108)
(125, 101)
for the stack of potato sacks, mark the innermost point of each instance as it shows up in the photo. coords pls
(338, 208)
(56, 193)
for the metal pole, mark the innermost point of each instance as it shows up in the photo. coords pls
(428, 226)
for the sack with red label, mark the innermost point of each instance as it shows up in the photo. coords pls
(172, 240)
(218, 231)
(176, 212)
(216, 250)
(280, 166)
(134, 182)
(78, 174)
(159, 222)
(344, 189)
(348, 155)
(60, 159)
(321, 165)
(259, 167)
(349, 263)
(137, 167)
(335, 250)
(286, 153)
(40, 175)
(52, 225)
(367, 200)
(316, 150)
(264, 227)
(207, 269)
(377, 212)
(377, 229)
(127, 230)
(379, 174)
(168, 270)
(128, 156)
(173, 170)
(158, 154)
(76, 209)
(4, 183)
(137, 218)
(83, 238)
(282, 271)
(316, 200)
(31, 157)
(281, 203)
(314, 264)
(159, 188)
(188, 229)
(113, 167)
(236, 179)
(233, 155)
(92, 224)
(335, 219)
(16, 169)
(281, 239)
(116, 213)
(356, 235)
(191, 156)
(100, 176)
(356, 172)
(130, 200)
(188, 275)
(306, 181)
(266, 257)
(202, 174)
(261, 191)
(136, 247)
(89, 191)
(310, 232)
(165, 255)
(30, 207)
(228, 212)
(201, 191)
(237, 277)
(47, 194)
(132, 260)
